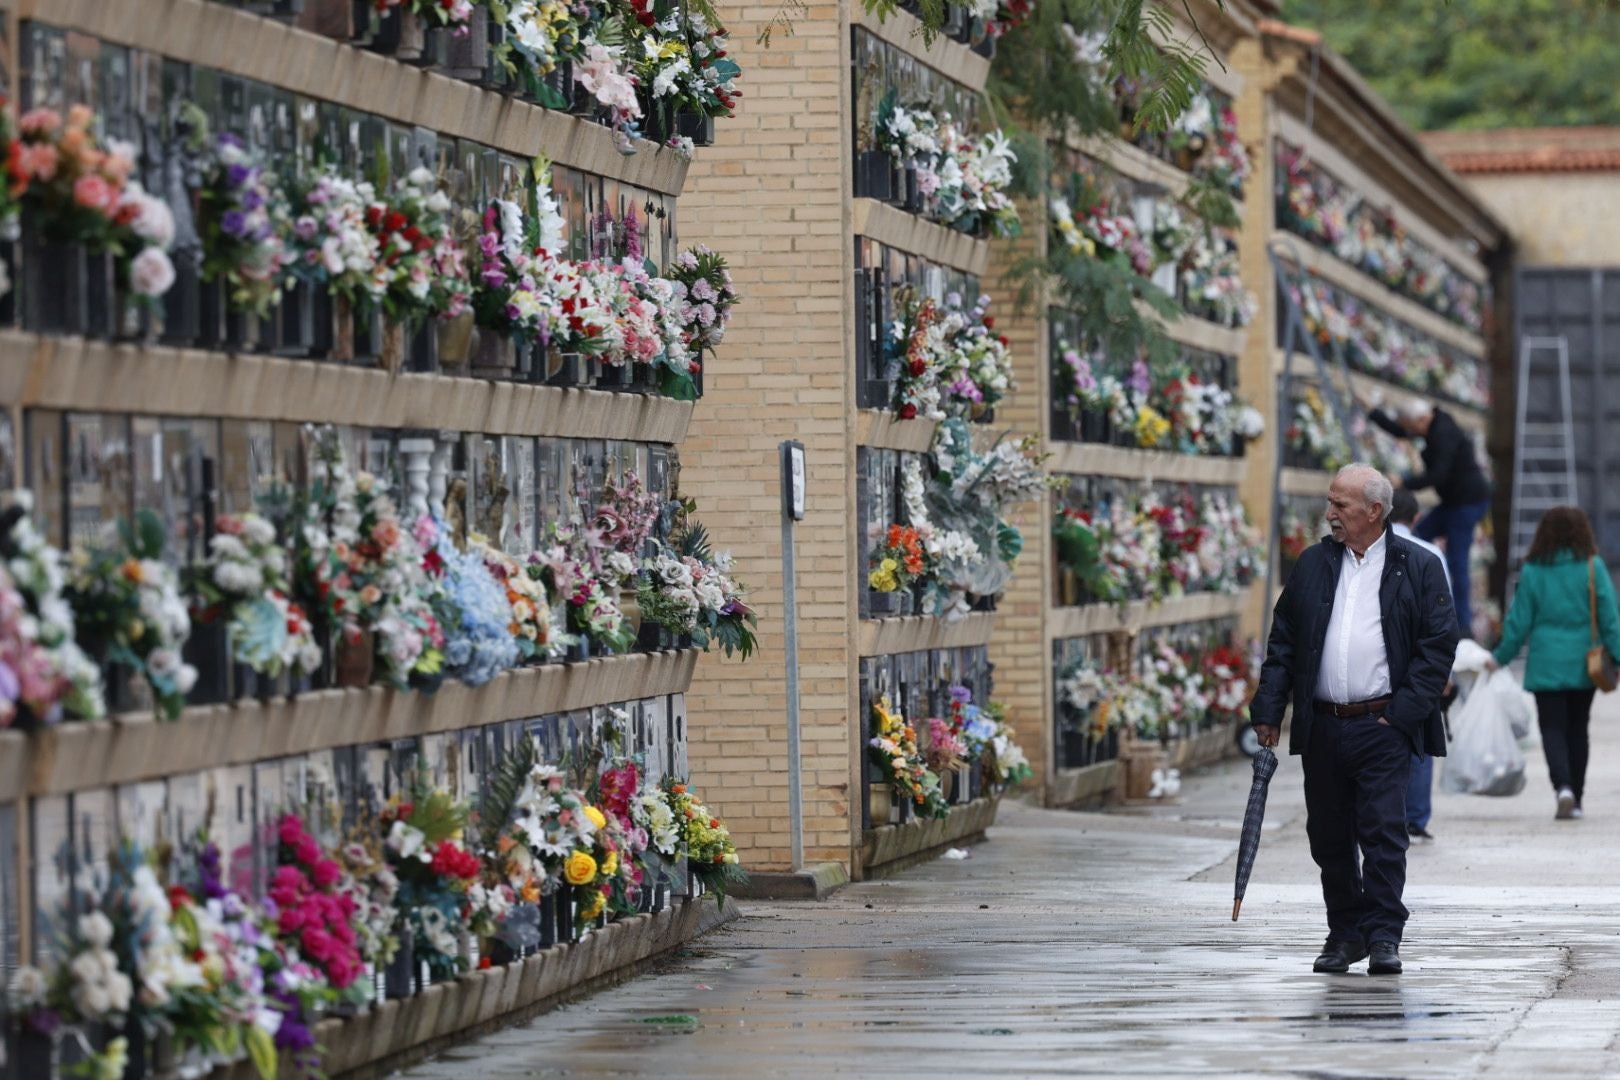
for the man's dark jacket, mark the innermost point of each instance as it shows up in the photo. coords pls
(1420, 638)
(1450, 465)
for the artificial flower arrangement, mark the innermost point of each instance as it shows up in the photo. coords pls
(422, 839)
(1151, 548)
(959, 510)
(585, 585)
(333, 245)
(1005, 759)
(128, 609)
(1170, 408)
(472, 609)
(77, 190)
(1089, 220)
(687, 588)
(710, 297)
(1211, 280)
(1315, 435)
(639, 65)
(711, 853)
(45, 676)
(1380, 345)
(452, 15)
(1294, 536)
(1226, 162)
(244, 223)
(1312, 204)
(1228, 673)
(963, 180)
(420, 260)
(893, 750)
(950, 359)
(245, 582)
(898, 561)
(1176, 692)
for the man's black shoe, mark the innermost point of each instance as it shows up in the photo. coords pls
(1337, 956)
(1418, 832)
(1386, 959)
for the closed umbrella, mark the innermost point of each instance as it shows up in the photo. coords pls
(1265, 766)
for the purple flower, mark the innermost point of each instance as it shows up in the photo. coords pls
(233, 223)
(9, 687)
(252, 199)
(961, 695)
(237, 175)
(1140, 381)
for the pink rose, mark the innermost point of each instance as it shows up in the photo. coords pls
(325, 873)
(151, 273)
(307, 850)
(94, 193)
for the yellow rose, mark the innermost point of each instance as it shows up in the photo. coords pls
(594, 908)
(597, 817)
(610, 865)
(580, 868)
(889, 566)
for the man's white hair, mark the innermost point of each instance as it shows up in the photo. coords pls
(1375, 486)
(1416, 409)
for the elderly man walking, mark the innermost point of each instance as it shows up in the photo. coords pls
(1361, 645)
(1451, 467)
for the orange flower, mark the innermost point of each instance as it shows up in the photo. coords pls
(132, 570)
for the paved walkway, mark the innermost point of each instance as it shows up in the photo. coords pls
(1101, 945)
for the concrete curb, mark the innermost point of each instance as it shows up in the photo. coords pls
(812, 883)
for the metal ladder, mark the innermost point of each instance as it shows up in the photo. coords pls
(1543, 451)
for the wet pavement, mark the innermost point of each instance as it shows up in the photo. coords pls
(1079, 944)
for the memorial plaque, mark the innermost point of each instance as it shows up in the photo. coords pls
(100, 481)
(52, 858)
(523, 514)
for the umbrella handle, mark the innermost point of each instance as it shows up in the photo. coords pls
(1237, 905)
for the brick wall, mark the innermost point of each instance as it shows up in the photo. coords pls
(1018, 649)
(772, 196)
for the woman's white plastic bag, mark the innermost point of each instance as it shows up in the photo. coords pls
(1512, 701)
(1484, 757)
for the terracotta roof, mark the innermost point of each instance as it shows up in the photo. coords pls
(1519, 150)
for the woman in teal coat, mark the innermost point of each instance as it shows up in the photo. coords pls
(1551, 609)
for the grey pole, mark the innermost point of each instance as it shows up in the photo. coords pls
(794, 477)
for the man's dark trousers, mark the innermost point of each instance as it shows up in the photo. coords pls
(1356, 772)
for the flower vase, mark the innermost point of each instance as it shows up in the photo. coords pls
(388, 33)
(52, 283)
(399, 977)
(567, 369)
(650, 636)
(913, 191)
(947, 785)
(456, 339)
(614, 376)
(695, 126)
(879, 804)
(356, 659)
(499, 952)
(467, 56)
(391, 354)
(1063, 426)
(1068, 588)
(883, 604)
(986, 47)
(647, 379)
(305, 322)
(422, 348)
(181, 302)
(333, 19)
(548, 920)
(342, 344)
(874, 175)
(208, 649)
(33, 1054)
(494, 355)
(982, 413)
(897, 185)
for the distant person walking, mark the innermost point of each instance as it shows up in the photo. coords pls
(1420, 792)
(1552, 610)
(1361, 643)
(1451, 467)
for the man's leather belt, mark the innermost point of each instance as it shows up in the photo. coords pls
(1354, 708)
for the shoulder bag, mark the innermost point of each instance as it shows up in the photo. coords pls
(1600, 666)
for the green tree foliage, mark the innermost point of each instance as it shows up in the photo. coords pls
(1479, 63)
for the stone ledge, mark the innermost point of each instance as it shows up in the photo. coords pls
(400, 1033)
(916, 633)
(211, 34)
(812, 883)
(82, 756)
(921, 838)
(1204, 748)
(918, 236)
(882, 429)
(1084, 786)
(1087, 619)
(903, 30)
(1100, 459)
(41, 371)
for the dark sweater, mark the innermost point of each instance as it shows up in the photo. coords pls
(1449, 464)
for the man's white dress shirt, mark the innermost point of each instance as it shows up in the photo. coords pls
(1355, 664)
(1405, 533)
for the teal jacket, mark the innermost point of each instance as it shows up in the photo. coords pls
(1550, 610)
